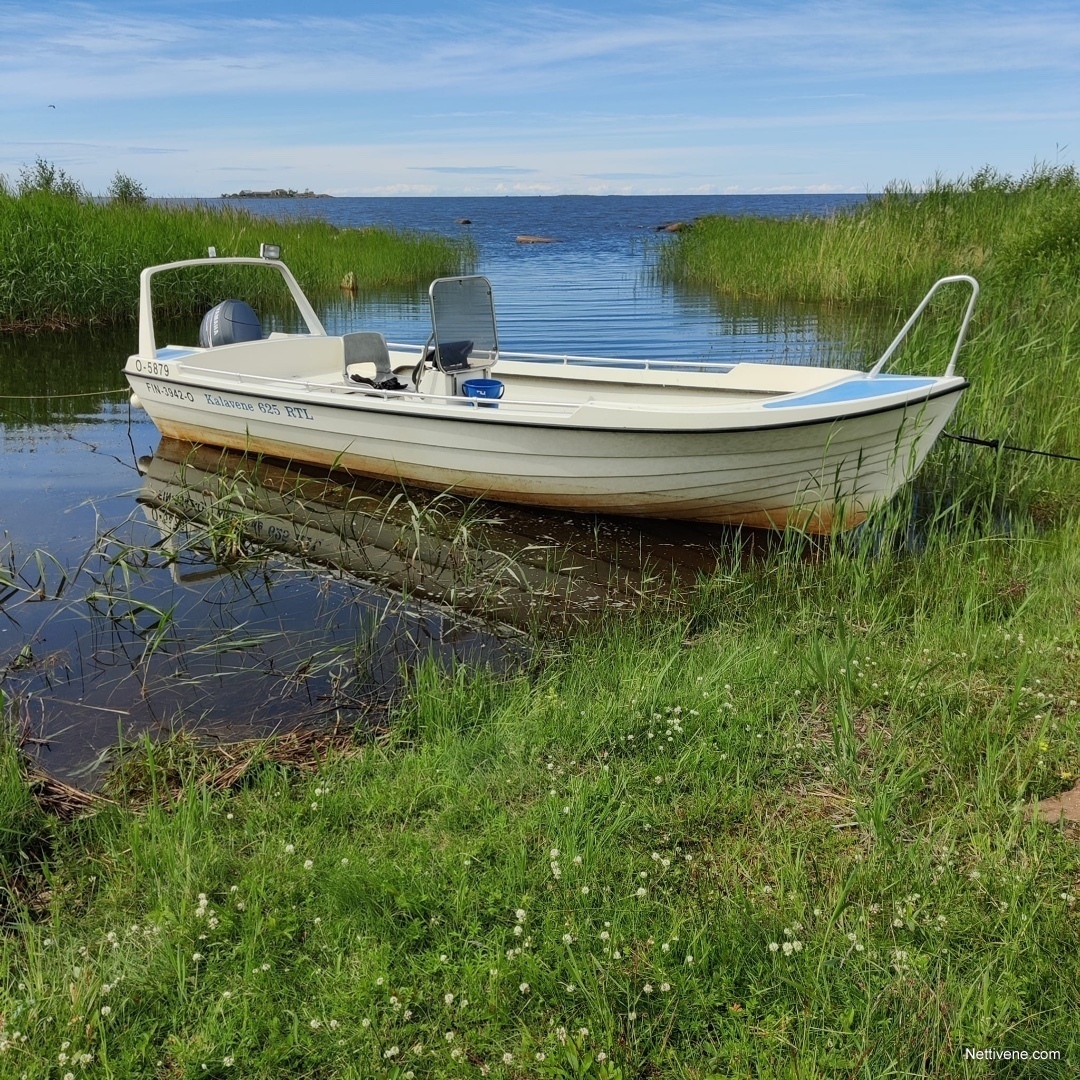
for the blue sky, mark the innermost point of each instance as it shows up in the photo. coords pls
(374, 98)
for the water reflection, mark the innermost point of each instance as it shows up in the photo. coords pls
(508, 563)
(245, 596)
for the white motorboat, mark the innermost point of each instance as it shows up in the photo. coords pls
(764, 445)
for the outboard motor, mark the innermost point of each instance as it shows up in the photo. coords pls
(229, 323)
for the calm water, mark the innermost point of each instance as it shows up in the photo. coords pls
(140, 584)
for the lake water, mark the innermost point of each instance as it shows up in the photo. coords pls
(129, 595)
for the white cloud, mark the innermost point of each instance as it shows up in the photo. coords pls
(105, 54)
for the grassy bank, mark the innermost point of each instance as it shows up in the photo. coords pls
(68, 262)
(1019, 238)
(780, 833)
(775, 827)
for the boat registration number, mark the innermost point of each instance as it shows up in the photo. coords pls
(152, 367)
(170, 392)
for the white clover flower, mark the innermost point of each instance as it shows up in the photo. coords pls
(105, 1010)
(448, 998)
(605, 936)
(315, 1024)
(554, 852)
(520, 914)
(773, 946)
(308, 864)
(567, 939)
(196, 957)
(392, 1052)
(518, 930)
(365, 1023)
(290, 849)
(540, 1055)
(524, 988)
(642, 891)
(508, 1058)
(228, 1062)
(449, 1036)
(788, 948)
(648, 988)
(578, 860)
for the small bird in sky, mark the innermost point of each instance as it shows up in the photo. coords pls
(52, 106)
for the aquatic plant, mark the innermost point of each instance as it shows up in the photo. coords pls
(70, 261)
(1020, 238)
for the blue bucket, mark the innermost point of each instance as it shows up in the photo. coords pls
(489, 389)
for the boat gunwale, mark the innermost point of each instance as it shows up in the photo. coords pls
(360, 397)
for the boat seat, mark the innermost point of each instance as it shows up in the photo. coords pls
(369, 347)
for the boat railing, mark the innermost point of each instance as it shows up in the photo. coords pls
(147, 341)
(640, 364)
(310, 386)
(968, 312)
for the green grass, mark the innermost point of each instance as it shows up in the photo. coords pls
(1019, 238)
(790, 809)
(834, 752)
(66, 262)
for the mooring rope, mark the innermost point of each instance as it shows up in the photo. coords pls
(997, 444)
(52, 397)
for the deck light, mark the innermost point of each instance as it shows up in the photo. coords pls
(269, 251)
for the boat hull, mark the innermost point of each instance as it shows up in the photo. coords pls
(820, 474)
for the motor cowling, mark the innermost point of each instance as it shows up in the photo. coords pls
(229, 323)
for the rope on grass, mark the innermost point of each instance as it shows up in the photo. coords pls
(997, 444)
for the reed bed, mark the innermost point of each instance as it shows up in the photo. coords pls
(67, 262)
(775, 825)
(1021, 240)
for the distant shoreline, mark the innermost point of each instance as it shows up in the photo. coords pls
(276, 193)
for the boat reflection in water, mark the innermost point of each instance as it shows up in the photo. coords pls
(512, 564)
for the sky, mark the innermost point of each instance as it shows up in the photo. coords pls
(197, 98)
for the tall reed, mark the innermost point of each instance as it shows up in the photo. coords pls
(1019, 237)
(67, 262)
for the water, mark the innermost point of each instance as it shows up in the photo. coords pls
(142, 585)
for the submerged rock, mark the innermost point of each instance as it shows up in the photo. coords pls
(537, 240)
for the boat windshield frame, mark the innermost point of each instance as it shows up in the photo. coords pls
(147, 341)
(464, 334)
